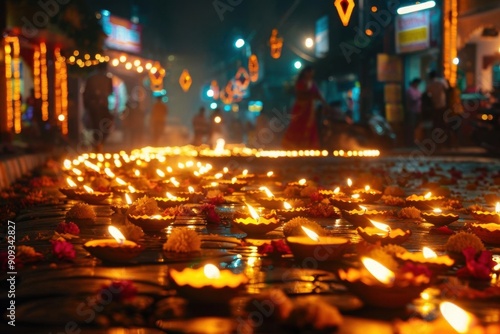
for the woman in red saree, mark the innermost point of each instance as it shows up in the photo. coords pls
(302, 132)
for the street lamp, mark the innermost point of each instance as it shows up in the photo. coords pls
(298, 65)
(213, 106)
(309, 42)
(210, 93)
(240, 42)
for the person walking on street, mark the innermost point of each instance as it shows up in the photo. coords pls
(157, 119)
(436, 89)
(413, 111)
(200, 127)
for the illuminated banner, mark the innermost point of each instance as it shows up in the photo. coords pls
(122, 34)
(322, 44)
(412, 32)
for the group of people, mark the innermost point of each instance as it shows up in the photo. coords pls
(426, 110)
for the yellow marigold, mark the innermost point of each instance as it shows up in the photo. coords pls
(183, 240)
(456, 243)
(293, 227)
(81, 211)
(410, 212)
(144, 206)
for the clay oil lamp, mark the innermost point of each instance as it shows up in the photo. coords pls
(132, 191)
(109, 174)
(288, 212)
(429, 258)
(170, 200)
(425, 202)
(191, 194)
(270, 201)
(255, 225)
(380, 287)
(207, 285)
(332, 193)
(348, 190)
(152, 224)
(245, 175)
(347, 203)
(368, 194)
(438, 218)
(91, 196)
(121, 208)
(234, 183)
(70, 190)
(116, 250)
(488, 233)
(362, 216)
(118, 186)
(488, 216)
(383, 233)
(324, 248)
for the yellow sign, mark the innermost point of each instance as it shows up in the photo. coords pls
(413, 36)
(344, 8)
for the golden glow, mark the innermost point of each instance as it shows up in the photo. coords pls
(269, 174)
(311, 234)
(437, 210)
(211, 271)
(345, 16)
(349, 183)
(123, 58)
(77, 171)
(380, 226)
(302, 182)
(88, 189)
(137, 173)
(287, 206)
(61, 90)
(120, 181)
(170, 196)
(497, 207)
(381, 273)
(174, 182)
(131, 189)
(191, 190)
(109, 173)
(116, 234)
(217, 119)
(367, 188)
(253, 212)
(355, 196)
(245, 172)
(429, 253)
(70, 182)
(13, 83)
(363, 208)
(458, 318)
(336, 190)
(428, 195)
(128, 199)
(234, 180)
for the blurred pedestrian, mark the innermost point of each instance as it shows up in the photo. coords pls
(302, 131)
(413, 111)
(157, 119)
(97, 118)
(200, 127)
(436, 89)
(133, 123)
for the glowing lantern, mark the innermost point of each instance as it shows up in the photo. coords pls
(156, 75)
(185, 80)
(253, 68)
(381, 273)
(344, 8)
(276, 44)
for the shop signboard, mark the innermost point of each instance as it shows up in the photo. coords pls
(389, 68)
(412, 32)
(123, 35)
(321, 38)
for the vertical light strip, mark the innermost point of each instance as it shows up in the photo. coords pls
(44, 82)
(57, 82)
(36, 73)
(8, 83)
(446, 39)
(64, 96)
(453, 41)
(16, 65)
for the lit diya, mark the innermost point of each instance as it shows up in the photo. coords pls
(270, 201)
(488, 233)
(70, 190)
(289, 212)
(234, 183)
(207, 285)
(488, 216)
(132, 191)
(438, 218)
(378, 286)
(154, 223)
(383, 233)
(312, 246)
(256, 225)
(115, 250)
(361, 217)
(91, 196)
(347, 203)
(368, 194)
(245, 175)
(192, 195)
(121, 208)
(302, 183)
(332, 193)
(170, 200)
(429, 258)
(425, 202)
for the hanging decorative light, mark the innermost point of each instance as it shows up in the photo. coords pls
(61, 90)
(345, 8)
(242, 79)
(276, 44)
(13, 82)
(253, 68)
(156, 77)
(185, 80)
(44, 82)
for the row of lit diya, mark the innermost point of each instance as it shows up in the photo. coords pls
(374, 283)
